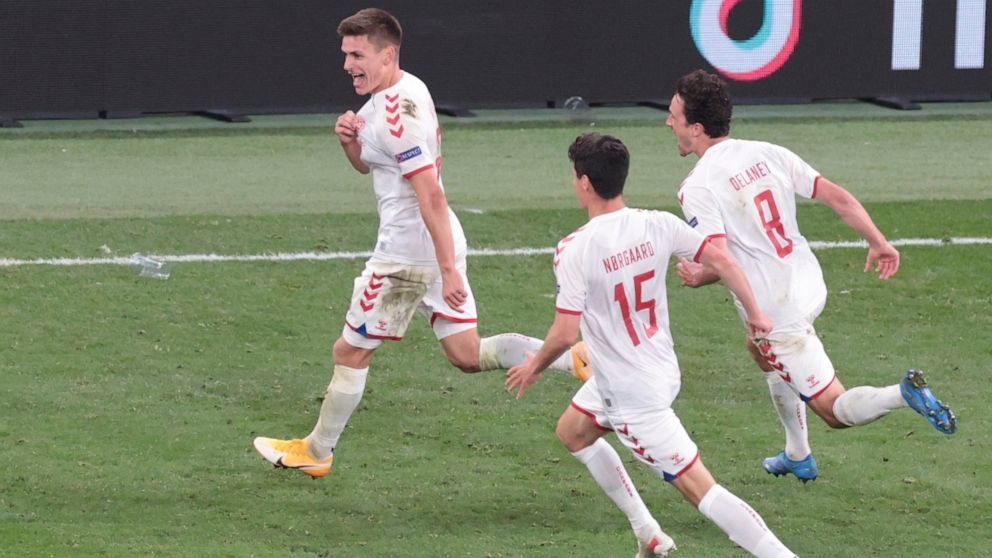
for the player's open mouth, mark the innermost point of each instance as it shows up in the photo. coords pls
(357, 80)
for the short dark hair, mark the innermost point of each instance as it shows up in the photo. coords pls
(707, 101)
(379, 26)
(604, 159)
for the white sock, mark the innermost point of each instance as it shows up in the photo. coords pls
(864, 404)
(792, 413)
(742, 524)
(605, 466)
(340, 400)
(507, 350)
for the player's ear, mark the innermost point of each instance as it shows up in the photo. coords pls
(585, 183)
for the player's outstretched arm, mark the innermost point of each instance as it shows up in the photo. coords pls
(563, 333)
(720, 261)
(882, 256)
(347, 127)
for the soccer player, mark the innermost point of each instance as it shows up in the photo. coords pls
(611, 286)
(419, 260)
(742, 196)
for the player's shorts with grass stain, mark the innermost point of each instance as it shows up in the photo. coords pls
(387, 295)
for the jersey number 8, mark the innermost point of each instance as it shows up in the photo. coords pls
(772, 221)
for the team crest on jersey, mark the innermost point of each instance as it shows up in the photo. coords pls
(693, 222)
(409, 108)
(408, 154)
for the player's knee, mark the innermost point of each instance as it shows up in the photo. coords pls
(464, 363)
(566, 440)
(348, 355)
(824, 410)
(341, 350)
(569, 438)
(832, 421)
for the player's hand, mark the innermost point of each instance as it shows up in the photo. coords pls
(759, 325)
(347, 127)
(522, 376)
(884, 259)
(689, 272)
(453, 290)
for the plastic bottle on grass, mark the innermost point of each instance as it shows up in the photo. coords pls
(150, 267)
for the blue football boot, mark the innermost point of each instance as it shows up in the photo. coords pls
(804, 469)
(917, 393)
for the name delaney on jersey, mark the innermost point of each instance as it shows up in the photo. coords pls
(751, 174)
(628, 256)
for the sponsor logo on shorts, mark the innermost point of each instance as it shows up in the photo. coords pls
(694, 222)
(381, 325)
(409, 154)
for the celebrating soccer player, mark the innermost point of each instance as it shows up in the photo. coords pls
(611, 286)
(742, 196)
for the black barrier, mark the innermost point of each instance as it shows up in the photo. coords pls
(83, 58)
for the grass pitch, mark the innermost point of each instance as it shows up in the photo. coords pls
(128, 405)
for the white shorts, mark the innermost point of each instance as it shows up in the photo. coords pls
(797, 353)
(386, 295)
(655, 436)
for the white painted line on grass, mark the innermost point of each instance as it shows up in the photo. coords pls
(323, 256)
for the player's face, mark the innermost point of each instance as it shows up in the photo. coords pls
(684, 132)
(367, 65)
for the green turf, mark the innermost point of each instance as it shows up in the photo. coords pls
(265, 169)
(127, 405)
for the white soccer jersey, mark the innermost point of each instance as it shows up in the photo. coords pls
(746, 191)
(612, 273)
(400, 138)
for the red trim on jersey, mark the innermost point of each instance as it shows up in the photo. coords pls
(816, 182)
(705, 242)
(689, 466)
(370, 336)
(418, 171)
(452, 319)
(592, 416)
(569, 312)
(819, 393)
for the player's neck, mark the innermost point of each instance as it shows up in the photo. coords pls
(602, 207)
(395, 75)
(707, 142)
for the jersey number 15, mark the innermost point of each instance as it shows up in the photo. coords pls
(620, 296)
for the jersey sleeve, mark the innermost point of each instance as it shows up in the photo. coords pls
(683, 240)
(569, 277)
(405, 133)
(702, 211)
(802, 175)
